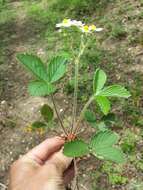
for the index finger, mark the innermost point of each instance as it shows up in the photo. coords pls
(41, 152)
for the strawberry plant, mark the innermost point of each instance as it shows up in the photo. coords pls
(103, 144)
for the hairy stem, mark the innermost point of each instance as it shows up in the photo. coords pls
(58, 116)
(82, 114)
(76, 187)
(77, 60)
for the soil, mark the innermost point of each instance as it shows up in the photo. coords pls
(17, 108)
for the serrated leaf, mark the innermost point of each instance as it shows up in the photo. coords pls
(40, 88)
(103, 103)
(104, 139)
(34, 64)
(99, 80)
(75, 148)
(89, 116)
(56, 68)
(38, 124)
(116, 91)
(110, 153)
(102, 146)
(47, 112)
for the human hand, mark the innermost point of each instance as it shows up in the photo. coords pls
(43, 168)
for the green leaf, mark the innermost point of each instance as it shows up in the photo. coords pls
(38, 124)
(89, 116)
(104, 139)
(40, 88)
(103, 103)
(47, 112)
(56, 68)
(99, 80)
(34, 64)
(75, 148)
(115, 90)
(111, 153)
(102, 146)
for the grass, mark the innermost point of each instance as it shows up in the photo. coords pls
(110, 52)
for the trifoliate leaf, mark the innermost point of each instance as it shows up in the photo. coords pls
(115, 91)
(34, 64)
(99, 80)
(47, 112)
(40, 88)
(75, 148)
(103, 103)
(56, 68)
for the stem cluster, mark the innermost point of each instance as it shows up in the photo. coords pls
(75, 123)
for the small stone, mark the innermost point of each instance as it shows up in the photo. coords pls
(3, 102)
(12, 159)
(84, 175)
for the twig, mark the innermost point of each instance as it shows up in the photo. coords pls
(3, 186)
(82, 114)
(59, 118)
(83, 187)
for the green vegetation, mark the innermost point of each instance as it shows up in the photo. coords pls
(30, 25)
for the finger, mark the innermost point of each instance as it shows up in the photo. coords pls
(61, 161)
(41, 152)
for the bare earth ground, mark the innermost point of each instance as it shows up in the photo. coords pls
(17, 108)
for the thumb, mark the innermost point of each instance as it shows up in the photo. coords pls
(61, 161)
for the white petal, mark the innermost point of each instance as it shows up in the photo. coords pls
(76, 23)
(59, 25)
(98, 29)
(66, 24)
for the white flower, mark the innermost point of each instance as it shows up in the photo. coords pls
(90, 29)
(84, 28)
(77, 23)
(68, 23)
(65, 23)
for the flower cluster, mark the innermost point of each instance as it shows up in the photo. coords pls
(83, 27)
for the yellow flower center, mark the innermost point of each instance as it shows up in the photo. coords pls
(65, 21)
(86, 28)
(93, 27)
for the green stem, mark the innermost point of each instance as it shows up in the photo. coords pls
(58, 116)
(77, 126)
(77, 60)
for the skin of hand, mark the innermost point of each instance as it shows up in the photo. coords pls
(43, 168)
